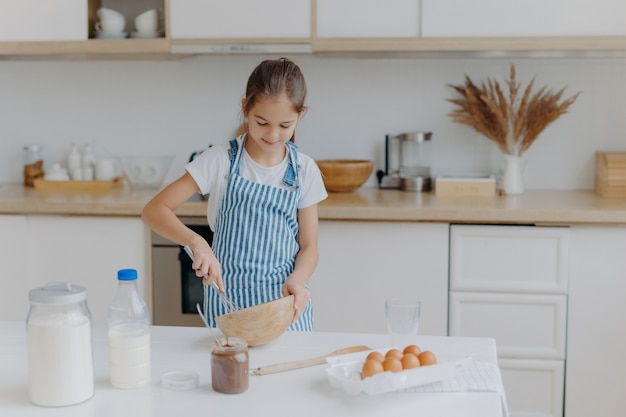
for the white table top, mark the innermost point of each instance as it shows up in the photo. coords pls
(303, 392)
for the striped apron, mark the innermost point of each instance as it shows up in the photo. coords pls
(256, 239)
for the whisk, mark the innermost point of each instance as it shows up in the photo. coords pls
(227, 303)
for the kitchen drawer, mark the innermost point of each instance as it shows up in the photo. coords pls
(524, 259)
(533, 387)
(524, 326)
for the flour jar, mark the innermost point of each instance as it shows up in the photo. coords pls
(60, 358)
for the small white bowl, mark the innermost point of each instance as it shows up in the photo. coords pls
(56, 173)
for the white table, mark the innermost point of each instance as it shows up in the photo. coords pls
(303, 392)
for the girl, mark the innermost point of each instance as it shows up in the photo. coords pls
(262, 205)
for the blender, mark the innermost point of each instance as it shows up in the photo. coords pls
(407, 162)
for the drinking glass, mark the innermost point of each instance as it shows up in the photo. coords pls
(403, 318)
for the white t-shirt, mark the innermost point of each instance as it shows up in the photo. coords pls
(210, 170)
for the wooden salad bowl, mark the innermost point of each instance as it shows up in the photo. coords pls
(258, 324)
(344, 175)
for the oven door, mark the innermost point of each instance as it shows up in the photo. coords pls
(176, 288)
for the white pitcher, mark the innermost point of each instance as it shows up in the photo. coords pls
(512, 181)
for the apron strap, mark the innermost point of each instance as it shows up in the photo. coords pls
(291, 178)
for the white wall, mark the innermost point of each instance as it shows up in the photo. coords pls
(178, 106)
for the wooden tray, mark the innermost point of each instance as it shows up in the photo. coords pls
(116, 182)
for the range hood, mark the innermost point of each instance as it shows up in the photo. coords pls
(236, 48)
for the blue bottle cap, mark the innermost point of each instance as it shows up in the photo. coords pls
(127, 274)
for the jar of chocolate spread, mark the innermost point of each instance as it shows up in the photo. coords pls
(229, 365)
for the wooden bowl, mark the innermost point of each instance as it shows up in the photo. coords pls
(344, 175)
(258, 324)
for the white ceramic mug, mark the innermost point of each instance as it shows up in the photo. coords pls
(110, 21)
(107, 169)
(147, 22)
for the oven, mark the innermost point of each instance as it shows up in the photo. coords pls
(175, 287)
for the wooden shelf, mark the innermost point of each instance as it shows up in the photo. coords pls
(165, 48)
(92, 48)
(596, 44)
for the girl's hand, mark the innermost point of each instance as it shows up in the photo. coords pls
(207, 266)
(301, 296)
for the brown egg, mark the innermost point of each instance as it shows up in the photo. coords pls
(392, 364)
(414, 349)
(410, 361)
(376, 355)
(427, 358)
(393, 353)
(371, 367)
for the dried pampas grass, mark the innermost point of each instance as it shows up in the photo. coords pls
(513, 124)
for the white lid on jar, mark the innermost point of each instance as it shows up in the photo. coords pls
(58, 293)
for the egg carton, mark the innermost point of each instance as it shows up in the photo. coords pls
(344, 372)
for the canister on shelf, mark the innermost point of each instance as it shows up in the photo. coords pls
(33, 164)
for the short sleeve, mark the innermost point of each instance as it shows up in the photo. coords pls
(312, 185)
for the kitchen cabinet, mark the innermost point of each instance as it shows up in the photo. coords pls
(239, 25)
(496, 18)
(368, 18)
(48, 47)
(511, 283)
(371, 25)
(304, 26)
(14, 264)
(53, 20)
(363, 263)
(237, 19)
(469, 26)
(596, 335)
(83, 250)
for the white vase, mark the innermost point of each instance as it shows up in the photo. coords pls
(512, 181)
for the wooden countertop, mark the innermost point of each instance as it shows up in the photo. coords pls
(369, 204)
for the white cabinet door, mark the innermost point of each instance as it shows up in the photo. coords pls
(363, 263)
(596, 329)
(13, 264)
(511, 283)
(523, 17)
(237, 19)
(534, 386)
(87, 251)
(368, 18)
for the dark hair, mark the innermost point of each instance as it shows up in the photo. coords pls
(274, 77)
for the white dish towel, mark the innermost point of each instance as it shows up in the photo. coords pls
(480, 377)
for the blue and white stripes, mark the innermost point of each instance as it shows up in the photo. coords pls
(256, 241)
